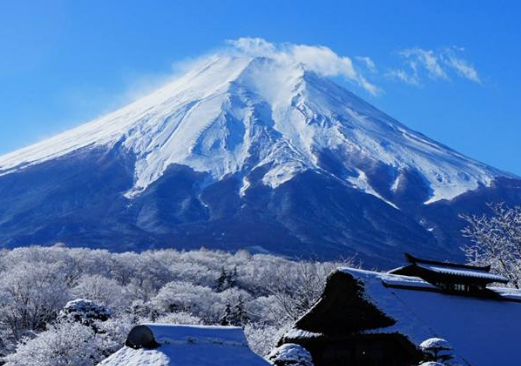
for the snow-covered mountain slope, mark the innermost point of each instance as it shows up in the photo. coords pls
(248, 152)
(235, 114)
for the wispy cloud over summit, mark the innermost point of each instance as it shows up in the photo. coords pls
(319, 59)
(418, 65)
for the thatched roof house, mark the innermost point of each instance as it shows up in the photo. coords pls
(381, 319)
(178, 345)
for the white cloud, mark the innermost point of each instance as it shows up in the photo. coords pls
(402, 75)
(462, 67)
(319, 59)
(437, 65)
(253, 46)
(369, 63)
(426, 59)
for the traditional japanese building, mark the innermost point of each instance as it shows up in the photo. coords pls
(451, 277)
(367, 318)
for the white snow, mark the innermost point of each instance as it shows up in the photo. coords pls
(244, 187)
(507, 292)
(190, 345)
(362, 183)
(236, 113)
(435, 344)
(291, 354)
(396, 183)
(484, 332)
(295, 333)
(85, 310)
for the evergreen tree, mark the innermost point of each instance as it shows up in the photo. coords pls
(222, 280)
(240, 316)
(235, 315)
(232, 277)
(226, 318)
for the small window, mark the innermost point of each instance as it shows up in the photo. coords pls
(461, 287)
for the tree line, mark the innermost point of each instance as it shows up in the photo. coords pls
(262, 293)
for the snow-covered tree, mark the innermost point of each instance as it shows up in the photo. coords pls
(264, 293)
(180, 317)
(103, 290)
(67, 344)
(290, 355)
(85, 312)
(111, 334)
(496, 240)
(222, 281)
(262, 338)
(182, 296)
(437, 350)
(235, 315)
(298, 287)
(31, 295)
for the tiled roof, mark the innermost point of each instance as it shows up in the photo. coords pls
(464, 272)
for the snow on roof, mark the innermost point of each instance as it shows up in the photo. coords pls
(464, 272)
(483, 332)
(295, 333)
(507, 292)
(169, 334)
(408, 281)
(181, 345)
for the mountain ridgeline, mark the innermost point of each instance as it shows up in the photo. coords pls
(248, 153)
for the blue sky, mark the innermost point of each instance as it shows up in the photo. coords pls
(449, 69)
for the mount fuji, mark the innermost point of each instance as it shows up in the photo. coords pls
(248, 152)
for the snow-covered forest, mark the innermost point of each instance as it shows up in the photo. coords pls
(40, 325)
(64, 306)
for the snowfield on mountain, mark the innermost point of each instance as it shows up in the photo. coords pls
(252, 152)
(236, 114)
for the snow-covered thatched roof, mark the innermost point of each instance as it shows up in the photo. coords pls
(178, 345)
(482, 331)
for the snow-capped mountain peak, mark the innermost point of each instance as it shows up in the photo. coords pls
(236, 114)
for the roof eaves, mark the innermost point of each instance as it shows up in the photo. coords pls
(463, 272)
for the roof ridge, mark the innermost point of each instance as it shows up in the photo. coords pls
(412, 259)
